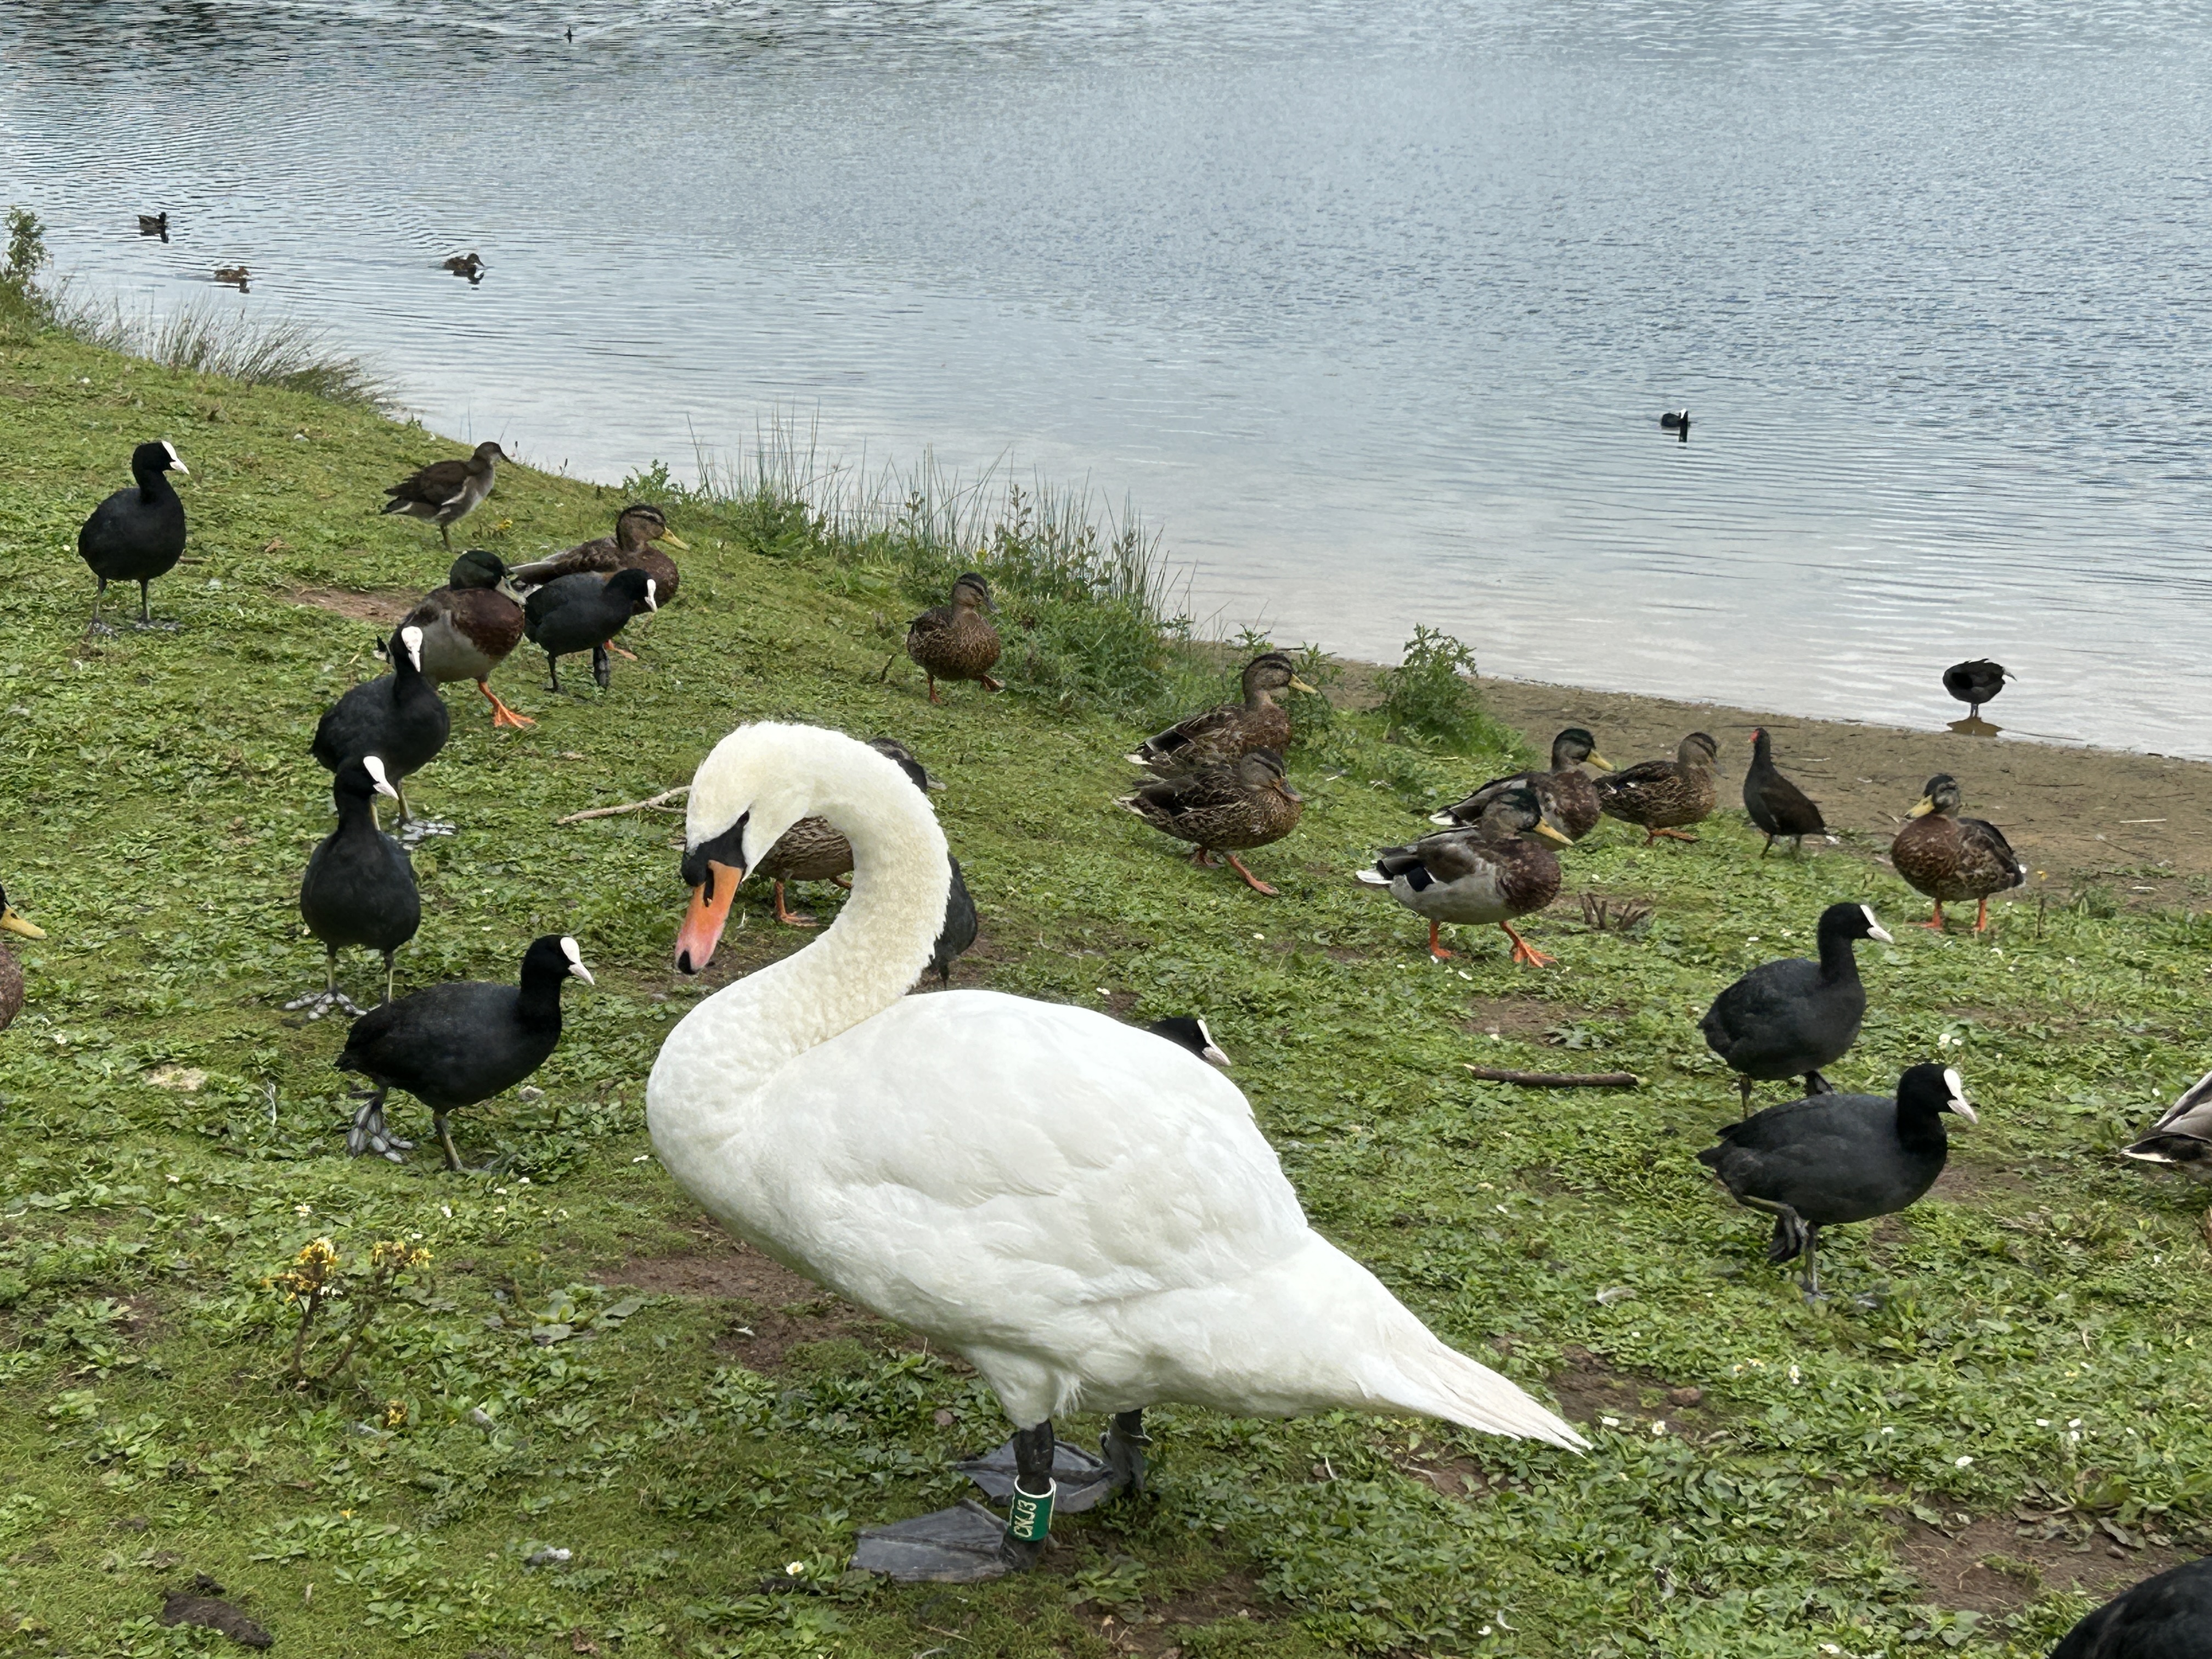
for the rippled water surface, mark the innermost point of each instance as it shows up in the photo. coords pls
(1371, 308)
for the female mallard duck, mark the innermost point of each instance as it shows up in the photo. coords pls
(465, 264)
(1224, 809)
(954, 641)
(469, 626)
(1663, 795)
(1567, 792)
(1951, 858)
(630, 547)
(11, 975)
(1086, 1215)
(1223, 734)
(1489, 873)
(813, 850)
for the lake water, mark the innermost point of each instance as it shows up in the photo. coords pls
(1371, 308)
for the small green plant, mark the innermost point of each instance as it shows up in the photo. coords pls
(317, 1279)
(27, 251)
(1430, 696)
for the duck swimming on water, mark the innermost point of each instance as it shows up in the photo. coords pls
(1088, 1215)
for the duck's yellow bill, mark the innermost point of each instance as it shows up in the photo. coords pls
(15, 924)
(1927, 805)
(1550, 833)
(673, 540)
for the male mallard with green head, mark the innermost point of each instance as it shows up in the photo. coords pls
(445, 492)
(11, 975)
(1567, 792)
(1663, 795)
(469, 626)
(1224, 809)
(1951, 858)
(1221, 734)
(955, 641)
(1490, 872)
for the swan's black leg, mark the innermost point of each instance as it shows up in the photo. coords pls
(1030, 1518)
(968, 1543)
(1124, 1447)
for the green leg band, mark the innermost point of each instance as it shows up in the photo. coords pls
(1030, 1516)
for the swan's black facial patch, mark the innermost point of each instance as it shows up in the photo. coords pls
(726, 848)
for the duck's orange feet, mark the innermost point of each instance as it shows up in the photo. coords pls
(1525, 953)
(791, 918)
(1651, 835)
(627, 656)
(500, 713)
(1436, 946)
(1202, 858)
(1934, 921)
(1250, 880)
(1982, 918)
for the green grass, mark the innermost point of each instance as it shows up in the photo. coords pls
(159, 803)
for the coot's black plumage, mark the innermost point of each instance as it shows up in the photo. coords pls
(1790, 1018)
(458, 1043)
(582, 612)
(1189, 1032)
(2168, 1617)
(1829, 1159)
(399, 718)
(1975, 683)
(136, 534)
(1676, 421)
(1775, 805)
(959, 930)
(360, 886)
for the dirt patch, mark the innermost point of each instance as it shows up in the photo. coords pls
(1513, 1016)
(1953, 1567)
(1589, 1390)
(1159, 1629)
(385, 607)
(776, 1311)
(2067, 811)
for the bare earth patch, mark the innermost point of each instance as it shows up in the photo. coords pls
(1952, 1565)
(776, 1309)
(1588, 1389)
(383, 608)
(1512, 1017)
(1159, 1630)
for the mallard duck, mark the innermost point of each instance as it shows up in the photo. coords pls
(1084, 1214)
(469, 626)
(1224, 809)
(11, 973)
(360, 887)
(954, 641)
(1565, 793)
(458, 1043)
(583, 613)
(2165, 1617)
(1489, 873)
(136, 534)
(465, 264)
(810, 850)
(1975, 683)
(1663, 795)
(154, 224)
(1951, 858)
(237, 277)
(445, 492)
(1790, 1018)
(1775, 805)
(1221, 734)
(2182, 1137)
(630, 547)
(399, 717)
(1829, 1159)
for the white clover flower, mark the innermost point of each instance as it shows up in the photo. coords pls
(1961, 1462)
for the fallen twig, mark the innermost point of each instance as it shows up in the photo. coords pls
(1558, 1079)
(657, 804)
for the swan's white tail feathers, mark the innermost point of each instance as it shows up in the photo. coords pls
(1446, 1385)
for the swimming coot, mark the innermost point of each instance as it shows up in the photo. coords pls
(1189, 1032)
(136, 534)
(1975, 683)
(1790, 1018)
(445, 492)
(399, 717)
(458, 1043)
(1775, 805)
(581, 613)
(1676, 421)
(2168, 1617)
(360, 887)
(1829, 1159)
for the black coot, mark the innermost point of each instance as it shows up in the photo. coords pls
(1676, 421)
(1828, 1159)
(399, 718)
(959, 930)
(360, 887)
(1775, 805)
(1790, 1018)
(458, 1043)
(1975, 683)
(582, 612)
(2168, 1617)
(136, 534)
(1189, 1032)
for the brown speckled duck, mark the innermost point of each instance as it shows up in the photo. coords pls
(810, 850)
(1661, 796)
(1491, 872)
(630, 547)
(469, 626)
(1220, 735)
(1224, 809)
(955, 641)
(11, 973)
(1567, 794)
(1951, 858)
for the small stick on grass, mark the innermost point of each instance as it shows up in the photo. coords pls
(657, 804)
(1558, 1079)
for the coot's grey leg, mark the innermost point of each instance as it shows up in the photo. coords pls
(318, 1003)
(603, 667)
(1812, 1264)
(1817, 1085)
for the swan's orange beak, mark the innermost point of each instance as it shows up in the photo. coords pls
(703, 923)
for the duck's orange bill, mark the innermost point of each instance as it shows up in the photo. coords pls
(703, 923)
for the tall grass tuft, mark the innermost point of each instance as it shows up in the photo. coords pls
(203, 338)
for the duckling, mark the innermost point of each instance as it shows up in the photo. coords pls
(469, 626)
(1663, 795)
(1221, 734)
(1777, 805)
(954, 641)
(1975, 683)
(2182, 1138)
(1951, 858)
(11, 972)
(458, 1043)
(583, 613)
(360, 886)
(810, 850)
(1224, 809)
(1790, 1018)
(1567, 792)
(1489, 873)
(445, 492)
(154, 224)
(136, 534)
(399, 717)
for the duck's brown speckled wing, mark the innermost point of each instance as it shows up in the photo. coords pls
(11, 988)
(1215, 737)
(1217, 809)
(810, 850)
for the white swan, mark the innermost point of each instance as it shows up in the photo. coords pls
(1086, 1213)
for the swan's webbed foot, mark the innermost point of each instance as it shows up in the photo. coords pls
(1083, 1482)
(964, 1545)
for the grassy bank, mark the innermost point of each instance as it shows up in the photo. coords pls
(583, 1367)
